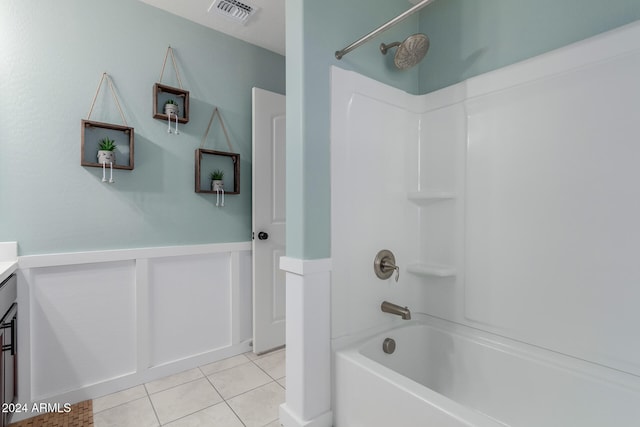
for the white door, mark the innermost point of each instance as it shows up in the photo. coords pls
(268, 220)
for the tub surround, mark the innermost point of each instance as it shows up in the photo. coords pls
(513, 193)
(8, 259)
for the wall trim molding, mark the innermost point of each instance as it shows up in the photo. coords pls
(75, 258)
(289, 419)
(303, 267)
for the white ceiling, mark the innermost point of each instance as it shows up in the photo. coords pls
(265, 28)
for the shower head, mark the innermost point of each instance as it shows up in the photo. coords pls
(409, 52)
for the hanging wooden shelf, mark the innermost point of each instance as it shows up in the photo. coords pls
(92, 132)
(209, 160)
(163, 93)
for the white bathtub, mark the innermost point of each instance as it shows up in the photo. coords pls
(447, 375)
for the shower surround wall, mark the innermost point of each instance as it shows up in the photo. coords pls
(310, 53)
(509, 201)
(397, 185)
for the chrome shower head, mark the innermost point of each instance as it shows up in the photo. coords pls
(409, 52)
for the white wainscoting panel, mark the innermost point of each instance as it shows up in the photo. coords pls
(93, 323)
(198, 290)
(83, 320)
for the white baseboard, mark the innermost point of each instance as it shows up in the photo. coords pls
(288, 419)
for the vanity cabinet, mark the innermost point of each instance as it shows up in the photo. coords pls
(9, 346)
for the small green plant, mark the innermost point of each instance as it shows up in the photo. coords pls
(217, 175)
(170, 101)
(107, 144)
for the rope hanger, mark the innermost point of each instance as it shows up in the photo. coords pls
(215, 113)
(93, 103)
(175, 67)
(113, 93)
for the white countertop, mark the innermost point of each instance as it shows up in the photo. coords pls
(8, 259)
(7, 268)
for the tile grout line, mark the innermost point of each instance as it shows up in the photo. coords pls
(225, 369)
(120, 404)
(191, 413)
(174, 386)
(246, 391)
(263, 370)
(249, 390)
(225, 401)
(235, 413)
(153, 407)
(271, 376)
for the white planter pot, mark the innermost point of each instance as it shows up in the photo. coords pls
(217, 184)
(171, 109)
(106, 157)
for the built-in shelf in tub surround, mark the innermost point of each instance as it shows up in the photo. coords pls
(425, 197)
(423, 269)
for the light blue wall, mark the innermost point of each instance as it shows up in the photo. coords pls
(471, 37)
(468, 37)
(315, 30)
(53, 55)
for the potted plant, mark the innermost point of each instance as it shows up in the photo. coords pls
(106, 153)
(171, 107)
(216, 180)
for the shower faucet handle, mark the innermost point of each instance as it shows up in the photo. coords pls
(385, 264)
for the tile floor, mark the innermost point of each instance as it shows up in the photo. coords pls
(241, 391)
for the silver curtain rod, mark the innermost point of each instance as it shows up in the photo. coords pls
(380, 29)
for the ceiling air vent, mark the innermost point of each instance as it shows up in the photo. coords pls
(233, 9)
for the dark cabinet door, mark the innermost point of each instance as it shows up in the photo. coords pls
(8, 363)
(3, 417)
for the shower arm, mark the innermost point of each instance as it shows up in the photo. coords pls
(382, 28)
(384, 48)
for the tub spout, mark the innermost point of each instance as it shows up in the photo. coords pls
(389, 307)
